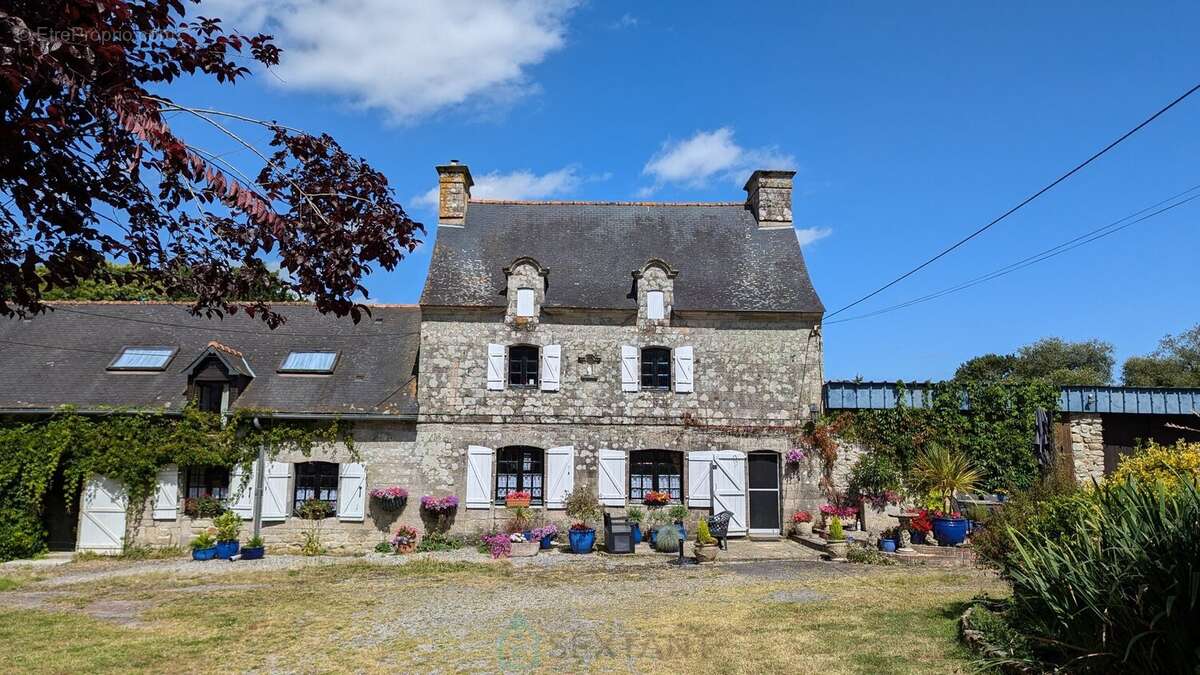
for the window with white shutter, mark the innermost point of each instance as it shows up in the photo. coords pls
(560, 475)
(551, 367)
(630, 370)
(241, 486)
(525, 302)
(612, 477)
(655, 307)
(352, 492)
(166, 495)
(683, 369)
(479, 477)
(495, 367)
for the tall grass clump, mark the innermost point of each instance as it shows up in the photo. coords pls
(1118, 588)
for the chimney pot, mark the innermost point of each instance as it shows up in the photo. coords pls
(454, 191)
(769, 198)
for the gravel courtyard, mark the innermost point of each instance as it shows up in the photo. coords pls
(460, 612)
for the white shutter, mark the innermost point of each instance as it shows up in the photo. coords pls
(683, 369)
(276, 498)
(612, 477)
(241, 489)
(166, 496)
(699, 478)
(524, 302)
(630, 371)
(729, 487)
(479, 477)
(655, 307)
(560, 475)
(495, 367)
(551, 367)
(352, 492)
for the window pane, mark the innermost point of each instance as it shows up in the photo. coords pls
(320, 362)
(143, 358)
(523, 366)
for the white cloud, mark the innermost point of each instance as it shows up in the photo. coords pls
(408, 58)
(808, 235)
(627, 20)
(520, 184)
(693, 162)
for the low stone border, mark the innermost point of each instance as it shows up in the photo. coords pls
(924, 555)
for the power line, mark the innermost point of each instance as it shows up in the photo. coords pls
(66, 349)
(1085, 238)
(1016, 208)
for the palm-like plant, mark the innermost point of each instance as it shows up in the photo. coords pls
(943, 472)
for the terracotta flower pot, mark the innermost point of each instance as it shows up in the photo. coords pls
(706, 552)
(406, 548)
(517, 502)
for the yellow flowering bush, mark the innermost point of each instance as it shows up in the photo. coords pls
(1160, 462)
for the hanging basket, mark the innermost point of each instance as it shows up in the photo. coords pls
(391, 503)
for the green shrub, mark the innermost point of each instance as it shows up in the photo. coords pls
(255, 542)
(202, 541)
(440, 541)
(1160, 462)
(667, 539)
(835, 529)
(1118, 590)
(583, 505)
(1047, 508)
(635, 514)
(867, 556)
(229, 526)
(678, 512)
(1002, 640)
(383, 547)
(703, 534)
(874, 474)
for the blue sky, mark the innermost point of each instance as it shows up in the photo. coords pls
(910, 124)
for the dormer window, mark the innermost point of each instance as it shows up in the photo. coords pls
(655, 290)
(313, 363)
(143, 359)
(525, 302)
(210, 396)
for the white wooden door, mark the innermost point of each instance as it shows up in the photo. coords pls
(102, 516)
(729, 487)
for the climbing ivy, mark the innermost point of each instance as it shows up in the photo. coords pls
(996, 431)
(130, 447)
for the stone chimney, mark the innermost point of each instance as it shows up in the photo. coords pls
(769, 198)
(454, 191)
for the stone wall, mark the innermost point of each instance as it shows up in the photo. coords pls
(1087, 446)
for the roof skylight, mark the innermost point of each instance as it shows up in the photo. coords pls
(309, 362)
(142, 358)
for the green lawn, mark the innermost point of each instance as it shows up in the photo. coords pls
(467, 617)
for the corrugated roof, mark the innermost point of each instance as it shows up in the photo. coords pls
(725, 261)
(61, 357)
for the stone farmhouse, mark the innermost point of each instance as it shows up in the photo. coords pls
(626, 346)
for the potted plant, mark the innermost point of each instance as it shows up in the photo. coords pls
(655, 498)
(518, 499)
(584, 508)
(499, 545)
(202, 507)
(678, 514)
(521, 521)
(919, 526)
(836, 544)
(392, 498)
(229, 526)
(666, 539)
(635, 515)
(522, 547)
(204, 547)
(887, 540)
(545, 534)
(405, 539)
(706, 546)
(254, 549)
(802, 523)
(943, 472)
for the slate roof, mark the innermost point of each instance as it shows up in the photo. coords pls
(725, 262)
(62, 357)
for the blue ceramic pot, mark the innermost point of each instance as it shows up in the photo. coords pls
(682, 532)
(227, 549)
(917, 537)
(547, 541)
(582, 541)
(635, 533)
(950, 531)
(653, 537)
(252, 553)
(528, 535)
(204, 553)
(887, 545)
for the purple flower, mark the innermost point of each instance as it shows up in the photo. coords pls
(447, 503)
(392, 492)
(795, 456)
(499, 545)
(540, 533)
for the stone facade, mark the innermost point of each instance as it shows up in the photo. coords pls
(1087, 446)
